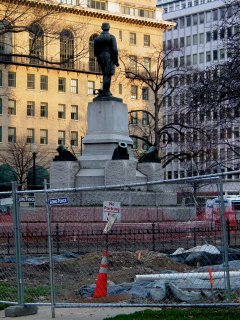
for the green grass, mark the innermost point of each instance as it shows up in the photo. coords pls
(184, 314)
(8, 292)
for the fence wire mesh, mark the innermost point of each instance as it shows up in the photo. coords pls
(177, 243)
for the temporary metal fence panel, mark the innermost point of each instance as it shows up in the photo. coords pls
(170, 246)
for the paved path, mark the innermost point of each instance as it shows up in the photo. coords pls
(44, 313)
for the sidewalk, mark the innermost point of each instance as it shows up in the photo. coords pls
(44, 313)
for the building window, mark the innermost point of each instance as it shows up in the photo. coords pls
(61, 111)
(74, 138)
(133, 38)
(208, 56)
(134, 118)
(11, 134)
(134, 92)
(66, 49)
(43, 110)
(208, 36)
(43, 136)
(133, 64)
(91, 87)
(61, 84)
(145, 93)
(31, 81)
(147, 64)
(74, 86)
(36, 44)
(11, 79)
(201, 57)
(145, 145)
(135, 143)
(215, 55)
(195, 19)
(0, 134)
(30, 108)
(146, 40)
(188, 41)
(1, 78)
(44, 82)
(188, 57)
(215, 34)
(201, 38)
(181, 22)
(5, 41)
(195, 39)
(181, 61)
(95, 4)
(61, 137)
(93, 64)
(222, 54)
(0, 105)
(201, 17)
(188, 21)
(145, 119)
(12, 107)
(30, 135)
(181, 42)
(194, 58)
(175, 43)
(215, 15)
(125, 10)
(74, 112)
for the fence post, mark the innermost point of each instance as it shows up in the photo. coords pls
(228, 232)
(194, 237)
(50, 249)
(18, 243)
(225, 240)
(57, 238)
(153, 237)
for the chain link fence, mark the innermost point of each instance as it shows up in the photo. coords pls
(175, 245)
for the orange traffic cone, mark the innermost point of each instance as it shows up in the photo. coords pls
(101, 285)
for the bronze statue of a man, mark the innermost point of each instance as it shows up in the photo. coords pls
(106, 52)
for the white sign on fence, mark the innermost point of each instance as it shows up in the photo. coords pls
(111, 207)
(111, 213)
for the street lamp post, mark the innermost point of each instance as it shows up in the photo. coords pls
(34, 154)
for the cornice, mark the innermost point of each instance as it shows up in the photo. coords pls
(100, 14)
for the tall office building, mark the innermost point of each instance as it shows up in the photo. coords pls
(48, 72)
(199, 43)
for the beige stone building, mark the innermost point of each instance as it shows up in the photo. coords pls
(48, 73)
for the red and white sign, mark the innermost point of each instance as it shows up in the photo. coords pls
(111, 208)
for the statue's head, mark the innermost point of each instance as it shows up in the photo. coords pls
(105, 26)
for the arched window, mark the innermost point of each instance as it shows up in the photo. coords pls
(5, 41)
(36, 44)
(67, 49)
(93, 64)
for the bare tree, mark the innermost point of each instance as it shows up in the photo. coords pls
(161, 83)
(19, 156)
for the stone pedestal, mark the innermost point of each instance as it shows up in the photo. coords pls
(120, 172)
(62, 174)
(153, 171)
(107, 126)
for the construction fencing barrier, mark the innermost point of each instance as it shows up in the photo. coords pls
(162, 243)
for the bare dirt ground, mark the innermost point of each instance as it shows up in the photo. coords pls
(71, 274)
